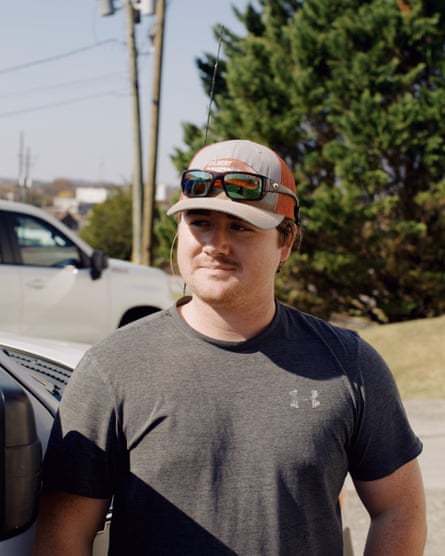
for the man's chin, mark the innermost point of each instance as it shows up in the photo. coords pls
(217, 296)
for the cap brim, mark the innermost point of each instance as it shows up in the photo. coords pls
(260, 218)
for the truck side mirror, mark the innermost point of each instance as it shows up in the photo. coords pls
(20, 460)
(98, 263)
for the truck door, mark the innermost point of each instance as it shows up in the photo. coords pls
(59, 298)
(10, 282)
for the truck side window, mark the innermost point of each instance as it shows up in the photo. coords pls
(42, 245)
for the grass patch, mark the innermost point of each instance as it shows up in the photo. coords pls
(415, 353)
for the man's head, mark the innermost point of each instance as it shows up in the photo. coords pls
(241, 178)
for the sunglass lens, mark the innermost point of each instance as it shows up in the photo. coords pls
(196, 184)
(243, 186)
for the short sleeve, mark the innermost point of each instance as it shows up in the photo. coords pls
(383, 440)
(83, 453)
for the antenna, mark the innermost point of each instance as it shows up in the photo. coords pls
(212, 89)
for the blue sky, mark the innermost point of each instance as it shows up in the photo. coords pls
(74, 113)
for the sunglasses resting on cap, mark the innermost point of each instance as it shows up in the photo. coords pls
(238, 186)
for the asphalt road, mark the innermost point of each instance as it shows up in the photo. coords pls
(427, 418)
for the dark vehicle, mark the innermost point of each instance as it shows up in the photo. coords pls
(33, 375)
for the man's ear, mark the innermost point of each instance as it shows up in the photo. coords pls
(286, 248)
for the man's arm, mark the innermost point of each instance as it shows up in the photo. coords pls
(67, 524)
(396, 505)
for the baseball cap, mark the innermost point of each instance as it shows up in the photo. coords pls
(278, 201)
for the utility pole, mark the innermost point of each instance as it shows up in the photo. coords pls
(141, 205)
(21, 177)
(107, 8)
(150, 186)
(27, 182)
(138, 187)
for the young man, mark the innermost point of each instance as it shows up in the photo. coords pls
(227, 424)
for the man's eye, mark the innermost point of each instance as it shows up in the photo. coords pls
(198, 222)
(240, 227)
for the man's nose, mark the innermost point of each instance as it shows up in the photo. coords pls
(218, 239)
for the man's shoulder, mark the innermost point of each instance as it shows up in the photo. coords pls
(310, 331)
(314, 323)
(151, 330)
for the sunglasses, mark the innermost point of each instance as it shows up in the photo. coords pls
(238, 186)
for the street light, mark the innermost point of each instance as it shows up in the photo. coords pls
(146, 7)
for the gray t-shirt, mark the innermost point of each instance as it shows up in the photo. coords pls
(217, 448)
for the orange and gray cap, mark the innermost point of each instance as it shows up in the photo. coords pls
(244, 156)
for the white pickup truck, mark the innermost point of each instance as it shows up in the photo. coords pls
(54, 285)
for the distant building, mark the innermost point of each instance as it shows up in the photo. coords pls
(65, 204)
(164, 193)
(92, 195)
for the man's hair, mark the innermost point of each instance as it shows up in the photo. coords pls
(288, 229)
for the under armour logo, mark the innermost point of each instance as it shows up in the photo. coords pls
(297, 399)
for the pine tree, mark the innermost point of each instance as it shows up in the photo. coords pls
(352, 94)
(381, 99)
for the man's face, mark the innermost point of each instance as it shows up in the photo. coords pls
(225, 261)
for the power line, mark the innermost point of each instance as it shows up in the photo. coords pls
(86, 81)
(57, 104)
(57, 56)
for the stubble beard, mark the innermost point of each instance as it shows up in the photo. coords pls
(217, 294)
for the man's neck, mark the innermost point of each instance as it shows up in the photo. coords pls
(227, 324)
